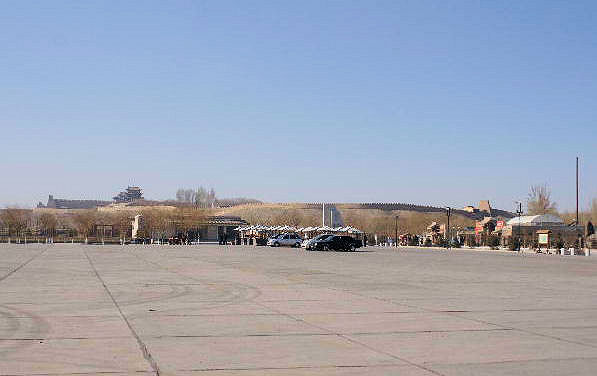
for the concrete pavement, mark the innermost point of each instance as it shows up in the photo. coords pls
(235, 310)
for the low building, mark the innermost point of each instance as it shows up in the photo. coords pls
(210, 228)
(528, 227)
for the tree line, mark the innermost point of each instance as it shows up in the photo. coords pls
(204, 198)
(156, 222)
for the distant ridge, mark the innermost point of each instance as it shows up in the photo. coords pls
(390, 206)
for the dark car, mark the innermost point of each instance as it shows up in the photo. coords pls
(307, 243)
(336, 243)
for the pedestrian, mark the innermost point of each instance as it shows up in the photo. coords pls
(365, 240)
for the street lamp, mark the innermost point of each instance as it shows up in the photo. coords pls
(448, 212)
(396, 231)
(519, 212)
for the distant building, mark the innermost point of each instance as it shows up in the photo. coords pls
(59, 203)
(485, 207)
(470, 209)
(485, 210)
(131, 194)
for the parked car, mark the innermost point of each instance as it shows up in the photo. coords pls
(289, 239)
(337, 243)
(307, 243)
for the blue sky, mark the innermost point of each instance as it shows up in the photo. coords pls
(432, 102)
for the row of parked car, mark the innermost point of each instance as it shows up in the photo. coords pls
(324, 242)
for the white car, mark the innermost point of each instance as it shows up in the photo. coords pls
(290, 240)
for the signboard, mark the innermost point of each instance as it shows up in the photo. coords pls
(478, 228)
(543, 238)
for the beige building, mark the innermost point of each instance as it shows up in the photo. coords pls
(527, 228)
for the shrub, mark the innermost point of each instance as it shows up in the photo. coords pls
(493, 242)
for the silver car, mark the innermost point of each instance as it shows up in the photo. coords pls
(290, 240)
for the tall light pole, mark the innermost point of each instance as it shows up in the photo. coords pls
(396, 231)
(323, 214)
(577, 191)
(448, 212)
(519, 212)
(580, 236)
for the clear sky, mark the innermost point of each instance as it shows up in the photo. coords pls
(430, 102)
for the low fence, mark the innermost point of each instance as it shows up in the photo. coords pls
(58, 239)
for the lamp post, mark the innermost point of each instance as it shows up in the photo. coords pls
(519, 212)
(448, 212)
(396, 231)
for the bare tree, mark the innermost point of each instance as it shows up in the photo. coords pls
(180, 195)
(539, 201)
(211, 198)
(15, 220)
(201, 197)
(157, 223)
(84, 222)
(48, 223)
(123, 222)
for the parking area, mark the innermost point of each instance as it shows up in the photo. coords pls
(242, 310)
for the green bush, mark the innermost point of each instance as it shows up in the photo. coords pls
(493, 241)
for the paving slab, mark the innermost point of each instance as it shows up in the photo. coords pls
(473, 346)
(355, 305)
(253, 352)
(25, 357)
(390, 370)
(62, 327)
(537, 318)
(556, 367)
(221, 325)
(392, 322)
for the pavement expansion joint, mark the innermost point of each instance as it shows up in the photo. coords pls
(145, 351)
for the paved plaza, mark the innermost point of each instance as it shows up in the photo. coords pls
(233, 310)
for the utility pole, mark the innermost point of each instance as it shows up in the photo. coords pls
(580, 236)
(577, 223)
(519, 212)
(396, 230)
(323, 214)
(448, 212)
